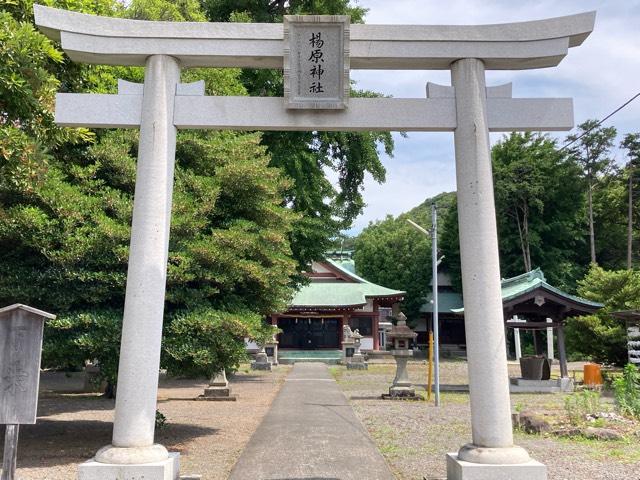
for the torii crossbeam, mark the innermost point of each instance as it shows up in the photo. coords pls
(468, 108)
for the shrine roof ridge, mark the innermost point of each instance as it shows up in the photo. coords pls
(118, 41)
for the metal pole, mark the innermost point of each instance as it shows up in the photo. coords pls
(434, 284)
(430, 372)
(434, 302)
(10, 457)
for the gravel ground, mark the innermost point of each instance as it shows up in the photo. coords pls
(208, 435)
(415, 436)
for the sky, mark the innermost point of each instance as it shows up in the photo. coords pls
(600, 76)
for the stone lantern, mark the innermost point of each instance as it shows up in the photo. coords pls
(400, 337)
(357, 361)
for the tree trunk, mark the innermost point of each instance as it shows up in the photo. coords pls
(630, 223)
(592, 236)
(525, 225)
(523, 247)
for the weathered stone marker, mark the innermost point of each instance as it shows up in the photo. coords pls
(468, 108)
(21, 330)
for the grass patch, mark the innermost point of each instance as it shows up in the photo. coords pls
(337, 372)
(624, 451)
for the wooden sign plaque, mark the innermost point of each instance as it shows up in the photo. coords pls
(21, 329)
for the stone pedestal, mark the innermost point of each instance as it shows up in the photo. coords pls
(168, 469)
(522, 385)
(262, 362)
(357, 363)
(402, 386)
(348, 350)
(460, 470)
(218, 389)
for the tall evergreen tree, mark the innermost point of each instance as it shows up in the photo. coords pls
(592, 147)
(631, 142)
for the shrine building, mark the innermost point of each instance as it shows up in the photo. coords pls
(335, 297)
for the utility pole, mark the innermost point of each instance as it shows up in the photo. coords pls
(434, 295)
(433, 233)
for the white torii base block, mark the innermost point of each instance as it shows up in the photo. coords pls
(461, 470)
(168, 469)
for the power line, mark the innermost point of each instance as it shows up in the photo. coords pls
(602, 121)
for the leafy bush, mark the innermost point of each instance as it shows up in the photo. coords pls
(161, 420)
(627, 391)
(73, 338)
(203, 342)
(601, 337)
(580, 404)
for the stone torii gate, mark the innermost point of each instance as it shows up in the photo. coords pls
(159, 107)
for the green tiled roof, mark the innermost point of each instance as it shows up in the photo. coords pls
(339, 294)
(323, 294)
(447, 301)
(527, 282)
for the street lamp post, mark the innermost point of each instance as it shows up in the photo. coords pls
(433, 233)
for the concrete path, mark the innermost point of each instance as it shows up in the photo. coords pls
(311, 432)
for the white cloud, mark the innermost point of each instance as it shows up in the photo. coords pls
(600, 75)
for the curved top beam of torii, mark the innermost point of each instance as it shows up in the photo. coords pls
(509, 46)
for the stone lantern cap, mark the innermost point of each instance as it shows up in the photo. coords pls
(400, 330)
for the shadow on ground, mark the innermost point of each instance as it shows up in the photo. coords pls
(59, 442)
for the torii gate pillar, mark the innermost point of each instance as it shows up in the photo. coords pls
(136, 401)
(469, 109)
(486, 355)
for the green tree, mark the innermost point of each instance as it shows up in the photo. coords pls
(66, 203)
(631, 142)
(268, 11)
(539, 208)
(306, 156)
(593, 144)
(601, 337)
(610, 218)
(449, 243)
(392, 253)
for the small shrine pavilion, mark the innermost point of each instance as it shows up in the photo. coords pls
(530, 303)
(334, 297)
